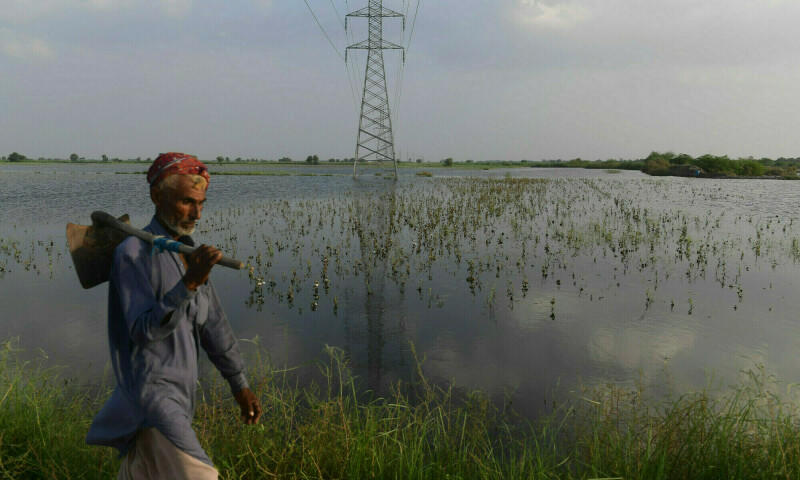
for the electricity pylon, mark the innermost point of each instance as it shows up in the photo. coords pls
(375, 140)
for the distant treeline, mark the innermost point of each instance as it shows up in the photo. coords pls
(667, 163)
(75, 158)
(719, 166)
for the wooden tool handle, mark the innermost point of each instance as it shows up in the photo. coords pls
(105, 219)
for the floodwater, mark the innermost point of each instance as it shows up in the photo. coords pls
(520, 282)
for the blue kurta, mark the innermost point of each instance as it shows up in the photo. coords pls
(155, 362)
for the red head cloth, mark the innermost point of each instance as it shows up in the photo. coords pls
(174, 163)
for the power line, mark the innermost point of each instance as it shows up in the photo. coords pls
(408, 45)
(401, 72)
(352, 75)
(352, 72)
(413, 24)
(406, 6)
(325, 33)
(323, 30)
(352, 85)
(338, 17)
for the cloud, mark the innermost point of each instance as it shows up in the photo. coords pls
(108, 4)
(176, 8)
(24, 47)
(640, 347)
(22, 10)
(551, 14)
(262, 5)
(16, 11)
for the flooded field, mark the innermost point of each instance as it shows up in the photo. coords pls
(521, 282)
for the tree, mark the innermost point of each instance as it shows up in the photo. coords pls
(448, 162)
(656, 165)
(284, 160)
(104, 157)
(16, 157)
(73, 157)
(419, 160)
(750, 168)
(220, 159)
(716, 165)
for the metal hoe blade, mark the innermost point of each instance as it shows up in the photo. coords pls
(92, 249)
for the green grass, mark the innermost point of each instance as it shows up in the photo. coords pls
(419, 431)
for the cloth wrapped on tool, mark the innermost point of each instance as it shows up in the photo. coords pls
(162, 243)
(175, 163)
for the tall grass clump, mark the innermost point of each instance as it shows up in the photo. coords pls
(44, 418)
(746, 432)
(332, 429)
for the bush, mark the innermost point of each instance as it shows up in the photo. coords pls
(750, 168)
(16, 157)
(656, 166)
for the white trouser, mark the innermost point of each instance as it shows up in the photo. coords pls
(153, 457)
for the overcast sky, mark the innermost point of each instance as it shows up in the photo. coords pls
(484, 79)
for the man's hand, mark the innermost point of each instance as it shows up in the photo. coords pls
(248, 403)
(199, 264)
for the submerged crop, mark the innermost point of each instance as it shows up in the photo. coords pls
(507, 285)
(474, 235)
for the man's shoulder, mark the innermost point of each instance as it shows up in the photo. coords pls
(132, 247)
(132, 254)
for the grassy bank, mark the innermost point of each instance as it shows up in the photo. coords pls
(327, 431)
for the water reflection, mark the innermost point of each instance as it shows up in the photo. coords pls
(383, 313)
(607, 310)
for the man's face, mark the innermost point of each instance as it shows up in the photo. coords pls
(181, 205)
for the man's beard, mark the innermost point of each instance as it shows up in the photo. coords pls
(175, 227)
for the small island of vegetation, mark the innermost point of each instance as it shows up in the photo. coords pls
(668, 163)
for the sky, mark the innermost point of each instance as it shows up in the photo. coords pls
(483, 79)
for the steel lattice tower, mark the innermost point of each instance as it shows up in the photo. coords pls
(375, 140)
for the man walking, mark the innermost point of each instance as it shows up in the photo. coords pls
(161, 308)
